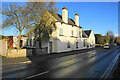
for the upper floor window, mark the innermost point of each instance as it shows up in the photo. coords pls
(79, 34)
(60, 32)
(72, 32)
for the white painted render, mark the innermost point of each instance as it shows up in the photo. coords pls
(60, 42)
(15, 41)
(91, 40)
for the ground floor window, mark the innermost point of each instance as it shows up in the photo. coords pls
(21, 43)
(27, 42)
(50, 47)
(76, 44)
(30, 42)
(84, 43)
(68, 45)
(34, 42)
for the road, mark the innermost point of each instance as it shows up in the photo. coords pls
(90, 64)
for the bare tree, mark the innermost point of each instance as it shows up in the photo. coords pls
(25, 16)
(16, 16)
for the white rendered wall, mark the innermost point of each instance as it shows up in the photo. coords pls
(92, 39)
(15, 41)
(62, 41)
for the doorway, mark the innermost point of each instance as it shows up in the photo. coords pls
(21, 43)
(50, 45)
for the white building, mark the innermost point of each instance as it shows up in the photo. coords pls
(90, 38)
(68, 35)
(22, 41)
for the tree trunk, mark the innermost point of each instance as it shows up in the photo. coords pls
(19, 38)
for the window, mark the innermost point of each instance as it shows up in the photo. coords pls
(76, 44)
(68, 45)
(21, 43)
(72, 32)
(60, 32)
(27, 42)
(79, 34)
(84, 44)
(34, 42)
(30, 42)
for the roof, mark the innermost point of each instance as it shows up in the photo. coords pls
(84, 35)
(87, 32)
(59, 18)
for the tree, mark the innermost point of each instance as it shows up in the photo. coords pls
(106, 39)
(99, 39)
(1, 37)
(110, 36)
(42, 20)
(118, 40)
(16, 15)
(25, 16)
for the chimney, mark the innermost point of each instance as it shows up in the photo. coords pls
(77, 19)
(65, 14)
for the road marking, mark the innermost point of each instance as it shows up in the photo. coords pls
(37, 74)
(109, 68)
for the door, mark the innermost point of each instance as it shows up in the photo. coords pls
(50, 47)
(21, 43)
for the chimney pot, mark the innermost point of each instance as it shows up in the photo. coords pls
(76, 14)
(64, 8)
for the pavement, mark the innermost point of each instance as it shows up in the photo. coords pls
(8, 63)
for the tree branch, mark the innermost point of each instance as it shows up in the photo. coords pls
(18, 21)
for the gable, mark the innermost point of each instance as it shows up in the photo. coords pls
(88, 32)
(91, 36)
(84, 35)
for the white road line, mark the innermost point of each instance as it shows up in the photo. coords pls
(38, 74)
(109, 67)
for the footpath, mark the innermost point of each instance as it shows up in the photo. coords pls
(8, 63)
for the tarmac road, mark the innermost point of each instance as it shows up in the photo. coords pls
(90, 64)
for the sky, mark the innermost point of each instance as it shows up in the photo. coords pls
(98, 16)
